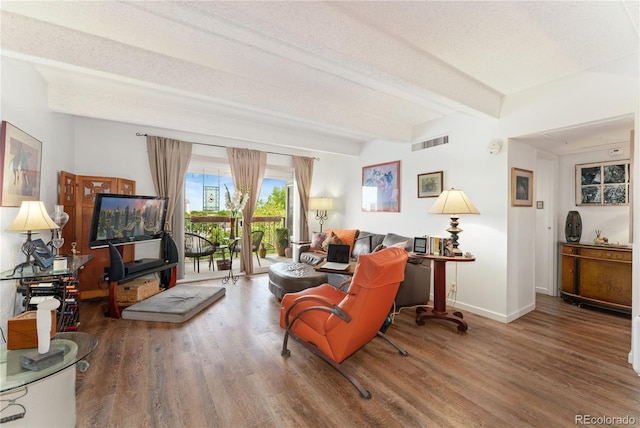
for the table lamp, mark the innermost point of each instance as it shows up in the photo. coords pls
(321, 205)
(453, 202)
(31, 216)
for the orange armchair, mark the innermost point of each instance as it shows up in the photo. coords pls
(334, 324)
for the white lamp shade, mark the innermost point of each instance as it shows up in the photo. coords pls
(320, 204)
(453, 201)
(32, 216)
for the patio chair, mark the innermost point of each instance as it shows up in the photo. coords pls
(196, 247)
(256, 239)
(334, 324)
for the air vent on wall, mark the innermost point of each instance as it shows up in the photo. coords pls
(429, 143)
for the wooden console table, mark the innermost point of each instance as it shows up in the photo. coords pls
(439, 309)
(595, 275)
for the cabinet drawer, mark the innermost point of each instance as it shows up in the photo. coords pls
(568, 250)
(607, 254)
(605, 281)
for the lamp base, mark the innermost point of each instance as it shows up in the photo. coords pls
(34, 267)
(456, 252)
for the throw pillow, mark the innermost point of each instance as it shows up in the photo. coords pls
(331, 239)
(317, 239)
(401, 244)
(379, 247)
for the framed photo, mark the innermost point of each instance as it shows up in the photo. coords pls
(381, 187)
(604, 183)
(521, 187)
(20, 157)
(420, 245)
(42, 254)
(430, 184)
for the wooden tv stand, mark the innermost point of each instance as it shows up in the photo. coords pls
(117, 275)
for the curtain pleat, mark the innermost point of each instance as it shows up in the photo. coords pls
(247, 171)
(169, 160)
(304, 173)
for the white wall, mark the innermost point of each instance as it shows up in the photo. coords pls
(24, 105)
(612, 220)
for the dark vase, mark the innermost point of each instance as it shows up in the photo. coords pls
(573, 227)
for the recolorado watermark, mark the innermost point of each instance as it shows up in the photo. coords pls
(604, 420)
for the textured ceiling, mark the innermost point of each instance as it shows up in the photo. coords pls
(325, 76)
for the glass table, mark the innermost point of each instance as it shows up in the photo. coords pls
(34, 272)
(75, 346)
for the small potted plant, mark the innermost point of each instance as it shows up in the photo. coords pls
(282, 240)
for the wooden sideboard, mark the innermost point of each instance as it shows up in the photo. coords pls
(596, 275)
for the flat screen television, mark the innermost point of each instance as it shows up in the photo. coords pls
(126, 219)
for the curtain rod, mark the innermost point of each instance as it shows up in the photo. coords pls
(139, 134)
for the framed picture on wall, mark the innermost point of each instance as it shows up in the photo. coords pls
(603, 183)
(521, 187)
(20, 157)
(430, 184)
(381, 187)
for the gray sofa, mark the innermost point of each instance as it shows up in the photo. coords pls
(415, 288)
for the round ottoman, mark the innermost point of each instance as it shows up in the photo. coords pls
(290, 277)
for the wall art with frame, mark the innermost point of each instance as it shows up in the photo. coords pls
(521, 187)
(603, 183)
(381, 187)
(20, 158)
(430, 184)
(42, 253)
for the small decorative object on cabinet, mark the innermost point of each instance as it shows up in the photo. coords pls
(573, 227)
(596, 275)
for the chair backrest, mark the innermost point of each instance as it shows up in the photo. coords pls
(196, 245)
(368, 301)
(256, 238)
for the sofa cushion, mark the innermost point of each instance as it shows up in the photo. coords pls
(331, 239)
(347, 236)
(361, 245)
(392, 238)
(317, 239)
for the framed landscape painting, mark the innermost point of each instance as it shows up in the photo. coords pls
(381, 187)
(20, 157)
(430, 184)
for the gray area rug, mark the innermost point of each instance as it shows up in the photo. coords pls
(177, 304)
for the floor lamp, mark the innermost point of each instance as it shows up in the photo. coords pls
(322, 206)
(453, 202)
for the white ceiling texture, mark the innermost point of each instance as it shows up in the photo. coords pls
(326, 76)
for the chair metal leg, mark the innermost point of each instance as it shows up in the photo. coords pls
(285, 353)
(258, 257)
(394, 344)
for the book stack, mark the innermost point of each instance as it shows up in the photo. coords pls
(439, 246)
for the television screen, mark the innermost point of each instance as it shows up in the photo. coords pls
(126, 219)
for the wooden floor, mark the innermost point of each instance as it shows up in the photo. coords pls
(223, 369)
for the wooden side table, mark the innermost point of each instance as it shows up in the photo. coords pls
(439, 309)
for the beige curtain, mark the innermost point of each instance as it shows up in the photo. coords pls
(304, 174)
(168, 161)
(247, 170)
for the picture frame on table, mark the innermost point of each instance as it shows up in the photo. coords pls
(42, 254)
(430, 184)
(20, 163)
(381, 187)
(521, 187)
